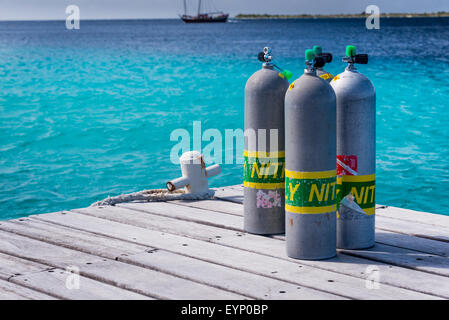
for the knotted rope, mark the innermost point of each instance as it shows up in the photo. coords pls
(154, 195)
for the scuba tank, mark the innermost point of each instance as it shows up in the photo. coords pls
(264, 156)
(356, 154)
(310, 177)
(326, 58)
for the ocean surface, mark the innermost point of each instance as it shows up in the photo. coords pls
(88, 113)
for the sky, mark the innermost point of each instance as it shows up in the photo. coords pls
(147, 9)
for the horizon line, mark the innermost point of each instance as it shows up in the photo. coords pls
(233, 17)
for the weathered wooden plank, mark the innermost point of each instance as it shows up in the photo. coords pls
(414, 243)
(413, 216)
(351, 283)
(242, 282)
(139, 280)
(228, 194)
(416, 229)
(404, 258)
(423, 263)
(12, 266)
(415, 224)
(12, 291)
(236, 187)
(172, 210)
(141, 235)
(408, 257)
(245, 283)
(213, 205)
(40, 252)
(384, 253)
(383, 236)
(52, 281)
(150, 221)
(72, 239)
(210, 241)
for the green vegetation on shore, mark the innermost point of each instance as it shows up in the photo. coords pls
(333, 16)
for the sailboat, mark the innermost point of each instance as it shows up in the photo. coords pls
(217, 16)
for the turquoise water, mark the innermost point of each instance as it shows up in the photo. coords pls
(88, 113)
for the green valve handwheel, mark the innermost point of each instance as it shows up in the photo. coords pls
(350, 51)
(287, 74)
(318, 50)
(309, 55)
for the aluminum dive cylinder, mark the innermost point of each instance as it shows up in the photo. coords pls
(319, 65)
(310, 175)
(356, 154)
(264, 158)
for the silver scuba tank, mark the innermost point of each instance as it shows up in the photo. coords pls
(264, 157)
(356, 154)
(310, 177)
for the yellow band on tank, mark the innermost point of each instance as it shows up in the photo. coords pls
(263, 154)
(310, 175)
(358, 178)
(256, 185)
(310, 192)
(310, 210)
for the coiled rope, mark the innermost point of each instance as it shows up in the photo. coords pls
(154, 195)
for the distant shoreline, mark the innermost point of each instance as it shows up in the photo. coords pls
(243, 16)
(340, 16)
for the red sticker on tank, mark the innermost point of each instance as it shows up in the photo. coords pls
(346, 165)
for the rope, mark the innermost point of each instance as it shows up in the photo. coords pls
(154, 195)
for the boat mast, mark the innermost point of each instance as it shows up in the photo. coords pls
(185, 8)
(199, 7)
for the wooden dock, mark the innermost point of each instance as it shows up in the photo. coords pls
(198, 250)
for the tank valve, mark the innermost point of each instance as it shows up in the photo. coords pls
(321, 58)
(351, 57)
(310, 60)
(194, 174)
(266, 57)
